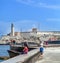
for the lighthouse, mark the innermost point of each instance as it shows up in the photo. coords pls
(12, 29)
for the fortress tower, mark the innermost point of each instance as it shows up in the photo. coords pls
(12, 29)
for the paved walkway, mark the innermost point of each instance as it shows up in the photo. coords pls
(51, 55)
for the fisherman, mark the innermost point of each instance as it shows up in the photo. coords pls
(41, 49)
(25, 50)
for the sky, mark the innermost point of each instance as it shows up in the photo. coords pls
(26, 14)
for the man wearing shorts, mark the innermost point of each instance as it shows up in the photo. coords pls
(41, 50)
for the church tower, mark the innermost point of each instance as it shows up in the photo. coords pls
(12, 29)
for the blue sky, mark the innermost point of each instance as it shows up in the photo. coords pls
(25, 14)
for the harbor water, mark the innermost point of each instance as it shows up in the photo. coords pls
(3, 51)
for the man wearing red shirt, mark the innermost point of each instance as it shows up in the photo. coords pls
(25, 50)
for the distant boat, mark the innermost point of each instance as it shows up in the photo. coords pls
(54, 43)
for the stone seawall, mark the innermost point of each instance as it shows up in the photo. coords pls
(31, 57)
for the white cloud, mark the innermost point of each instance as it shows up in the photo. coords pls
(25, 25)
(39, 4)
(27, 2)
(54, 19)
(4, 27)
(50, 6)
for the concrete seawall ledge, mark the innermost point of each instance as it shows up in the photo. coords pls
(31, 57)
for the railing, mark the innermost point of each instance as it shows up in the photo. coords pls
(31, 57)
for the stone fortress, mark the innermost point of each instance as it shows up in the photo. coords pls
(30, 35)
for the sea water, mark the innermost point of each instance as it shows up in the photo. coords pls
(3, 50)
